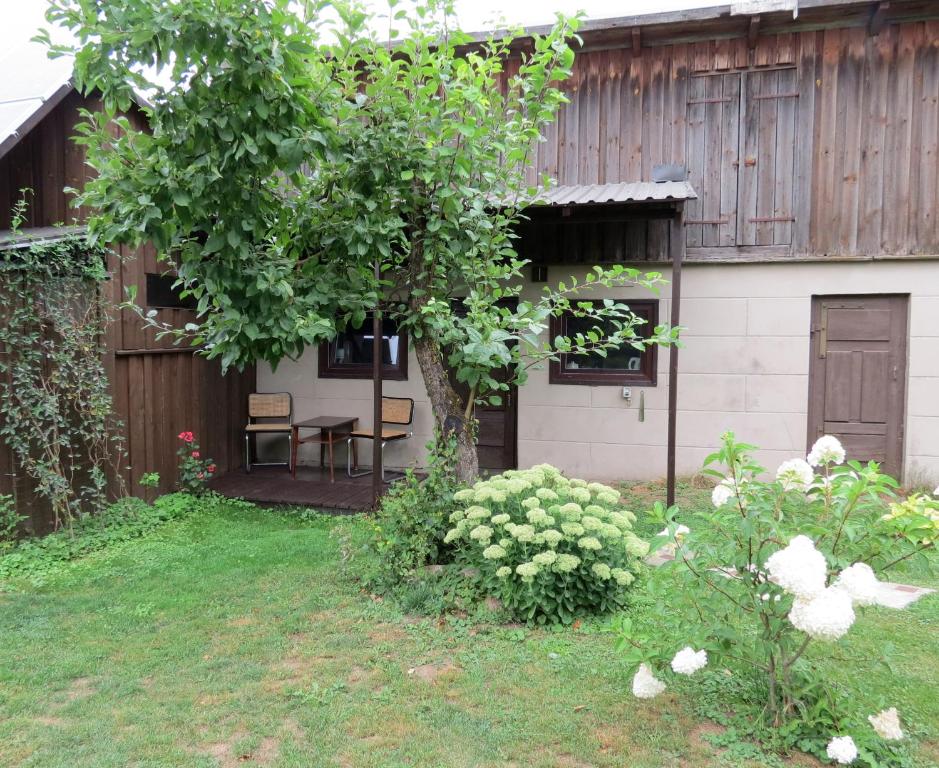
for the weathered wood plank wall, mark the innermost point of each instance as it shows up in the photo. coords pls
(818, 142)
(158, 391)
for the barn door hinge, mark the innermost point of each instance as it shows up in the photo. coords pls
(822, 330)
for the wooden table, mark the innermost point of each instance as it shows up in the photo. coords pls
(331, 429)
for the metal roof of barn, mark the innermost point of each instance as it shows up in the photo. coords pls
(625, 192)
(32, 87)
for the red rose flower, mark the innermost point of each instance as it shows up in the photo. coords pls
(186, 437)
(211, 469)
(195, 454)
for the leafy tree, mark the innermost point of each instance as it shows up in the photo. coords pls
(289, 154)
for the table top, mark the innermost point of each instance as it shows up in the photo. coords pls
(327, 422)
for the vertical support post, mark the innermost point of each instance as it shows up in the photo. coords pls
(676, 246)
(376, 394)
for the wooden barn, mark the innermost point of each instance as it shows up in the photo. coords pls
(158, 390)
(807, 224)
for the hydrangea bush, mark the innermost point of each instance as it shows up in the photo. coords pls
(777, 565)
(550, 548)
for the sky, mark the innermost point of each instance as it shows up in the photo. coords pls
(19, 19)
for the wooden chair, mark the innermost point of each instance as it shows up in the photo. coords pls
(268, 414)
(398, 411)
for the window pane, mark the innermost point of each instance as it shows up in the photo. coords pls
(354, 346)
(625, 358)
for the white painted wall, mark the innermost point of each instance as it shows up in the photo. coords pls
(744, 367)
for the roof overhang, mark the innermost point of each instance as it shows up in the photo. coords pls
(23, 238)
(632, 192)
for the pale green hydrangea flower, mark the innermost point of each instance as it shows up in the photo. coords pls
(620, 520)
(505, 543)
(610, 531)
(572, 529)
(494, 552)
(591, 523)
(531, 502)
(452, 535)
(546, 494)
(501, 519)
(593, 509)
(551, 537)
(538, 516)
(600, 488)
(566, 563)
(457, 515)
(622, 577)
(634, 545)
(576, 482)
(609, 498)
(504, 571)
(481, 533)
(589, 542)
(571, 510)
(545, 558)
(580, 495)
(477, 513)
(464, 494)
(517, 485)
(601, 570)
(523, 533)
(527, 571)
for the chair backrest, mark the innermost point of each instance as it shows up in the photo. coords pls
(397, 410)
(272, 405)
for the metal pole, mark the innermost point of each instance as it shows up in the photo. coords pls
(376, 394)
(677, 247)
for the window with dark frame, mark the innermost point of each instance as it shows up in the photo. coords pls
(349, 355)
(624, 366)
(163, 293)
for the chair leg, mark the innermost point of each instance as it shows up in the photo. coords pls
(350, 442)
(289, 452)
(248, 452)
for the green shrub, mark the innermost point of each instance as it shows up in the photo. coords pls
(411, 523)
(9, 522)
(550, 548)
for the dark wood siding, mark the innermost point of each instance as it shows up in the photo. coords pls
(831, 143)
(158, 391)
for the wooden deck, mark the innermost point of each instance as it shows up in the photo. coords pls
(274, 485)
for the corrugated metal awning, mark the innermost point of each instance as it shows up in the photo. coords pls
(625, 192)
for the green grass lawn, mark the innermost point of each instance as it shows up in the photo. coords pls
(238, 637)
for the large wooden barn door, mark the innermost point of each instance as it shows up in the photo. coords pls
(740, 150)
(857, 375)
(769, 102)
(712, 141)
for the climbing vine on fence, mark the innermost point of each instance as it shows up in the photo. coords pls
(55, 407)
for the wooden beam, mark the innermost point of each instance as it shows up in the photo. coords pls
(676, 244)
(637, 41)
(878, 18)
(376, 396)
(753, 32)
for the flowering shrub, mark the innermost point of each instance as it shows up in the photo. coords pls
(194, 471)
(776, 565)
(550, 548)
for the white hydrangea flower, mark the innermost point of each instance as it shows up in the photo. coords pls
(645, 684)
(887, 724)
(464, 494)
(566, 563)
(551, 537)
(688, 661)
(572, 529)
(610, 497)
(827, 616)
(527, 571)
(795, 475)
(546, 494)
(842, 750)
(723, 492)
(545, 558)
(503, 572)
(589, 542)
(860, 583)
(623, 577)
(580, 495)
(827, 450)
(477, 513)
(680, 532)
(501, 519)
(494, 552)
(799, 568)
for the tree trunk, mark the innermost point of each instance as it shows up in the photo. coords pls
(449, 409)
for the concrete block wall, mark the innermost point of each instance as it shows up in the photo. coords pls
(744, 366)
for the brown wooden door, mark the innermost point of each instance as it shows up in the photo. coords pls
(857, 375)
